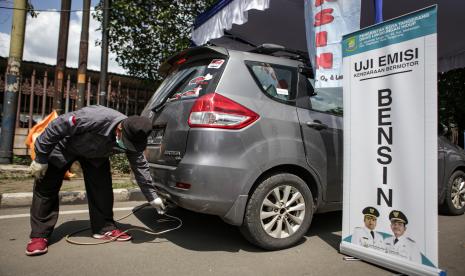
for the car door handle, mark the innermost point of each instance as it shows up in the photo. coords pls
(317, 125)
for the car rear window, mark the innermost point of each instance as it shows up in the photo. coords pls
(275, 80)
(188, 81)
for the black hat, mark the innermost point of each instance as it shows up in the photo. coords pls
(370, 211)
(136, 129)
(395, 215)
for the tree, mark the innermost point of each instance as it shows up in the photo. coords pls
(144, 33)
(451, 87)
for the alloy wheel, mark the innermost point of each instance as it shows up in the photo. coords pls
(458, 192)
(282, 211)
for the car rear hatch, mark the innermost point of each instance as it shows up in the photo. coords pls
(190, 74)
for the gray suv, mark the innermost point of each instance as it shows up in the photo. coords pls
(244, 136)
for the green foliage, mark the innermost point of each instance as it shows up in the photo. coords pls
(21, 160)
(119, 164)
(451, 87)
(124, 185)
(143, 33)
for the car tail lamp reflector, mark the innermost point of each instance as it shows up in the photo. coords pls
(216, 111)
(184, 186)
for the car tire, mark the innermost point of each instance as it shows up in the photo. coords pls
(454, 201)
(292, 216)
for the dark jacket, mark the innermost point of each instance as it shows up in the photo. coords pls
(89, 133)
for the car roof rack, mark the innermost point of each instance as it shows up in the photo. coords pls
(281, 51)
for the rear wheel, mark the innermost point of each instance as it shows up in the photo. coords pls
(454, 203)
(279, 212)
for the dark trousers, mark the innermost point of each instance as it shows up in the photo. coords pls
(45, 201)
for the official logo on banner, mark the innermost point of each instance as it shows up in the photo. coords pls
(351, 44)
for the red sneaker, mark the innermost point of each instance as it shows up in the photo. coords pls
(36, 246)
(116, 235)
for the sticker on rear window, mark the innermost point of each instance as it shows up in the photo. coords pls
(200, 80)
(216, 63)
(191, 93)
(281, 91)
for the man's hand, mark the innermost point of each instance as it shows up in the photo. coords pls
(158, 204)
(37, 169)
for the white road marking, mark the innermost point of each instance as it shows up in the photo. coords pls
(63, 213)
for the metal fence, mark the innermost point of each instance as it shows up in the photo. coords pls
(35, 100)
(125, 94)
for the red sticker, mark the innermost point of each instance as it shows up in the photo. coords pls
(192, 93)
(200, 80)
(216, 63)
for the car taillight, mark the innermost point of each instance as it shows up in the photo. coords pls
(216, 111)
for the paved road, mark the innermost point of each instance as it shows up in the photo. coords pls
(203, 246)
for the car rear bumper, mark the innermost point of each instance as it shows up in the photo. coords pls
(214, 190)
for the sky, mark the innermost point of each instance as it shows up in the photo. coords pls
(41, 38)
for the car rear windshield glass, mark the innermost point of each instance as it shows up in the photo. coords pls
(188, 81)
